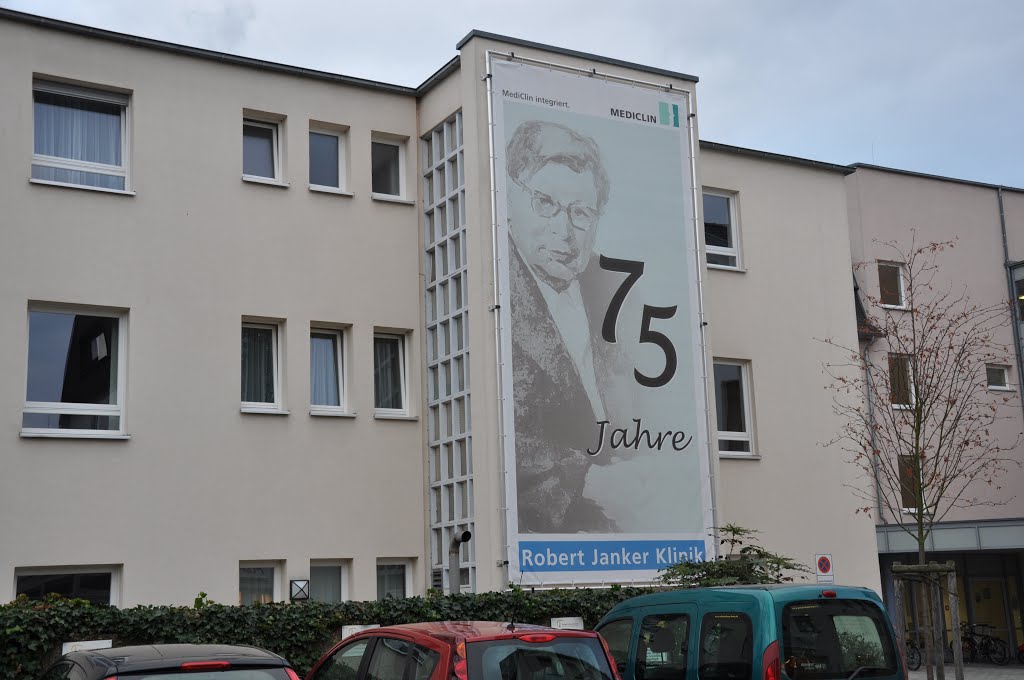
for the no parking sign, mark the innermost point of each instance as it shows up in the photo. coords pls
(823, 568)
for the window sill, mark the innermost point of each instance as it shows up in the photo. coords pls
(898, 308)
(265, 410)
(394, 416)
(57, 434)
(727, 268)
(1001, 389)
(330, 413)
(330, 190)
(388, 198)
(265, 180)
(102, 190)
(739, 456)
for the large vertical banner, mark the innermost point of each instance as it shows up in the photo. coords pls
(604, 402)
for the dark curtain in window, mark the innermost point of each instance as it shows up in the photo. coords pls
(258, 365)
(387, 369)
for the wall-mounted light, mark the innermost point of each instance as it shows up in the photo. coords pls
(299, 590)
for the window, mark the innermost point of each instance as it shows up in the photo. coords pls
(327, 582)
(901, 383)
(258, 582)
(726, 646)
(260, 150)
(998, 377)
(81, 136)
(326, 372)
(391, 580)
(732, 402)
(909, 486)
(664, 644)
(260, 373)
(327, 160)
(389, 374)
(832, 639)
(720, 232)
(76, 372)
(98, 585)
(388, 167)
(389, 659)
(617, 634)
(890, 284)
(344, 664)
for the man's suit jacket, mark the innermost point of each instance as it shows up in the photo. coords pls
(554, 420)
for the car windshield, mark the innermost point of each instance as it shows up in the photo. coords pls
(233, 674)
(824, 639)
(568, 658)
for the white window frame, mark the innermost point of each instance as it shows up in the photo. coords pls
(112, 410)
(342, 137)
(402, 561)
(903, 284)
(910, 380)
(403, 357)
(748, 414)
(277, 407)
(1007, 386)
(276, 565)
(402, 149)
(113, 569)
(734, 232)
(123, 100)
(345, 570)
(274, 126)
(341, 350)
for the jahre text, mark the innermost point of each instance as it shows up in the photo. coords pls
(637, 436)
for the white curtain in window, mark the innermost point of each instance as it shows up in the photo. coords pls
(77, 129)
(325, 584)
(323, 370)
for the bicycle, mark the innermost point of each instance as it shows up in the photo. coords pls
(980, 646)
(913, 651)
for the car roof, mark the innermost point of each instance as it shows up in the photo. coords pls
(778, 593)
(454, 631)
(153, 657)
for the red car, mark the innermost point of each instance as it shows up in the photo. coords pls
(467, 650)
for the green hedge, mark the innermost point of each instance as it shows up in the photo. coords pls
(31, 632)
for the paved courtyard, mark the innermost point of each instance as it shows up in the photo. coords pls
(977, 671)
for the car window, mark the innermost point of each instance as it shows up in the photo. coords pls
(663, 646)
(832, 639)
(344, 664)
(389, 659)
(556, 658)
(58, 671)
(617, 634)
(726, 646)
(423, 662)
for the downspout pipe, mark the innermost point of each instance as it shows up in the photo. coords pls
(1013, 295)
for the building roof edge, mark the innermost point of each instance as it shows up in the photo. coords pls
(437, 76)
(767, 155)
(198, 52)
(476, 33)
(941, 178)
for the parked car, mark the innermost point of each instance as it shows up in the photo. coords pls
(753, 633)
(467, 650)
(167, 662)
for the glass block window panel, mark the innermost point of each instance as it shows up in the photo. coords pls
(324, 160)
(75, 365)
(79, 136)
(386, 168)
(255, 584)
(259, 149)
(259, 363)
(446, 303)
(732, 404)
(890, 284)
(720, 230)
(325, 368)
(390, 580)
(389, 372)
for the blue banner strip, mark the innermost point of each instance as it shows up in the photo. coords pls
(537, 556)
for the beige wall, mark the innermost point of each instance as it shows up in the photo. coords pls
(200, 486)
(795, 291)
(885, 206)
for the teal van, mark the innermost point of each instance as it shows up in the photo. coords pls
(773, 632)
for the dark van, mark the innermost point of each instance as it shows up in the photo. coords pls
(794, 632)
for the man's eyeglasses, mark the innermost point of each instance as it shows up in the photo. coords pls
(580, 216)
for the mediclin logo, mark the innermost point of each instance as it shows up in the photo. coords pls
(668, 114)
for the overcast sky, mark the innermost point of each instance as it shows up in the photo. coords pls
(925, 85)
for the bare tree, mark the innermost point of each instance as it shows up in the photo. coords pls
(918, 415)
